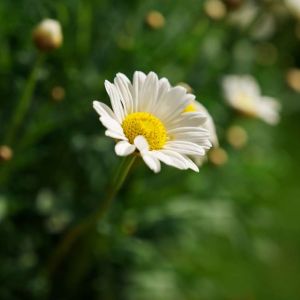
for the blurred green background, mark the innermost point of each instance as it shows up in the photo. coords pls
(230, 232)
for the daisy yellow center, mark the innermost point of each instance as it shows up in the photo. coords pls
(190, 108)
(147, 125)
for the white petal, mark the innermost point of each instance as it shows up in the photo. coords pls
(172, 104)
(115, 100)
(141, 143)
(163, 87)
(111, 124)
(189, 129)
(151, 161)
(191, 165)
(188, 119)
(124, 88)
(138, 82)
(115, 135)
(185, 147)
(124, 148)
(148, 93)
(176, 160)
(209, 124)
(103, 110)
(170, 158)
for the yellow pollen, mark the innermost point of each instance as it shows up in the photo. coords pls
(147, 125)
(190, 108)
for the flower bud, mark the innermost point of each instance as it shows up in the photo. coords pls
(58, 93)
(237, 136)
(218, 156)
(6, 153)
(215, 9)
(293, 79)
(155, 20)
(47, 35)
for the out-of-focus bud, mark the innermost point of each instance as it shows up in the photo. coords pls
(237, 136)
(58, 93)
(6, 153)
(293, 79)
(188, 88)
(215, 9)
(155, 20)
(233, 4)
(47, 35)
(218, 156)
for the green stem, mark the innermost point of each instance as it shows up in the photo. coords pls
(24, 103)
(73, 234)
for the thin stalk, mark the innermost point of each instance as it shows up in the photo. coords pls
(24, 102)
(73, 234)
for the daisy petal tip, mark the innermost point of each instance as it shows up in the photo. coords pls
(107, 84)
(122, 76)
(96, 104)
(123, 148)
(141, 143)
(139, 73)
(196, 169)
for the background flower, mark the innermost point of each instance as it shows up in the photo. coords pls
(47, 35)
(243, 94)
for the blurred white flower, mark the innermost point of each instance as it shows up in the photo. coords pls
(294, 7)
(147, 119)
(244, 15)
(243, 94)
(48, 35)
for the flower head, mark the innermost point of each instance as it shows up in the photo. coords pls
(155, 20)
(48, 35)
(146, 118)
(243, 94)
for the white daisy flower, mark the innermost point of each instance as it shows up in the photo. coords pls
(209, 125)
(147, 118)
(243, 94)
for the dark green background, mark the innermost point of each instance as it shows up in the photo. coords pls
(229, 232)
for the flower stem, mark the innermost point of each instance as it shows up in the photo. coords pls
(24, 102)
(73, 234)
